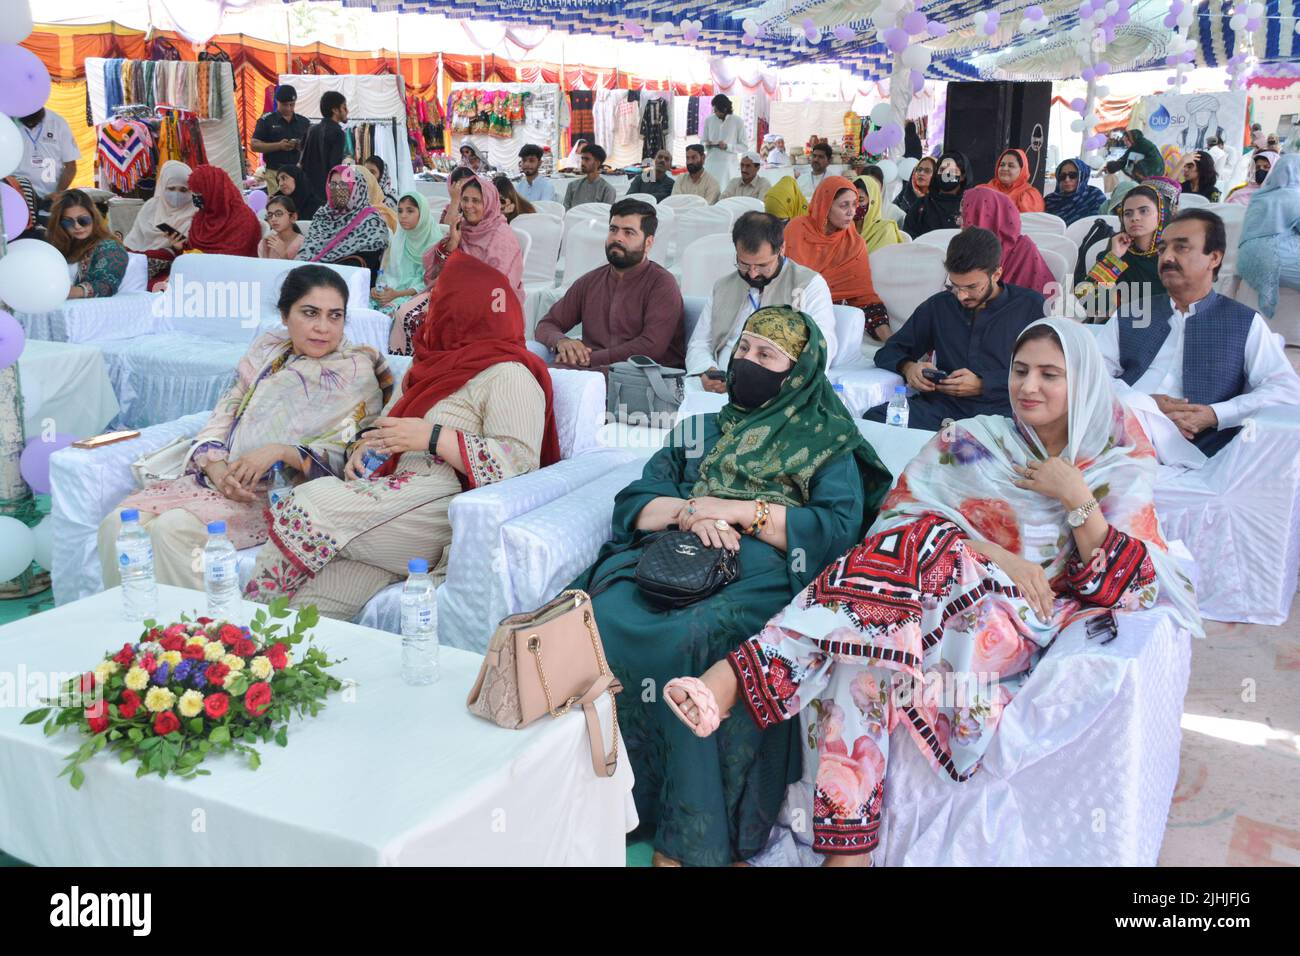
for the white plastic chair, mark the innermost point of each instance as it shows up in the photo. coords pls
(681, 201)
(437, 206)
(1060, 267)
(431, 190)
(1039, 221)
(586, 213)
(643, 197)
(696, 222)
(1059, 245)
(1076, 232)
(739, 205)
(893, 213)
(704, 262)
(136, 278)
(939, 238)
(544, 232)
(525, 244)
(1192, 201)
(549, 206)
(906, 275)
(665, 235)
(584, 249)
(1233, 217)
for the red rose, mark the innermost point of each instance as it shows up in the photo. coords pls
(88, 682)
(149, 663)
(203, 620)
(994, 520)
(229, 634)
(166, 723)
(216, 705)
(277, 654)
(97, 719)
(155, 634)
(192, 652)
(129, 704)
(172, 643)
(126, 656)
(217, 673)
(258, 698)
(245, 648)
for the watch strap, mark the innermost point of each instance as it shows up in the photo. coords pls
(433, 440)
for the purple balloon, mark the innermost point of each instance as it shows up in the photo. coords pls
(990, 28)
(918, 81)
(1088, 74)
(15, 211)
(896, 39)
(1170, 21)
(1034, 13)
(844, 33)
(256, 201)
(1078, 105)
(1103, 68)
(871, 143)
(35, 461)
(914, 23)
(1085, 10)
(1252, 25)
(1176, 7)
(12, 339)
(24, 81)
(1189, 56)
(1121, 18)
(937, 29)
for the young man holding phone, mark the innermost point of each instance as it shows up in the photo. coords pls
(971, 328)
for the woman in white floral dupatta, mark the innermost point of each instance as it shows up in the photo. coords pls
(998, 534)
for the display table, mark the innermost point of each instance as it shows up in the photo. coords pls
(395, 775)
(66, 386)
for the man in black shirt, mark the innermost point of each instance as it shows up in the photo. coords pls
(279, 135)
(322, 151)
(971, 328)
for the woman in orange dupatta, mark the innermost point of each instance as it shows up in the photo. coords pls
(1011, 179)
(825, 240)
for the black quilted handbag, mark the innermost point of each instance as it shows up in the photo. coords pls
(677, 569)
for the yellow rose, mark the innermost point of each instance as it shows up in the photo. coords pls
(288, 659)
(159, 698)
(191, 704)
(233, 661)
(198, 639)
(137, 678)
(261, 667)
(214, 651)
(104, 671)
(173, 658)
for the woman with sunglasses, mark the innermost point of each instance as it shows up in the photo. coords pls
(1073, 198)
(80, 233)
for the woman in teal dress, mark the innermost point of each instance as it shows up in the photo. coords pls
(782, 474)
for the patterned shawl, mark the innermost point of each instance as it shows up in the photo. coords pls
(340, 231)
(225, 225)
(876, 231)
(145, 234)
(1021, 192)
(841, 256)
(1022, 264)
(775, 450)
(785, 200)
(965, 474)
(1085, 201)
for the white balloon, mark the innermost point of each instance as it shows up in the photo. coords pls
(1185, 18)
(1112, 7)
(1024, 26)
(888, 169)
(33, 277)
(882, 19)
(1255, 10)
(43, 542)
(16, 25)
(749, 25)
(882, 113)
(11, 146)
(17, 546)
(1237, 21)
(1076, 126)
(981, 18)
(916, 57)
(893, 6)
(906, 166)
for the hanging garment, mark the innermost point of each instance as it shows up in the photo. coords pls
(124, 151)
(654, 127)
(693, 117)
(582, 122)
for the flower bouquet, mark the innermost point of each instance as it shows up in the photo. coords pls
(191, 689)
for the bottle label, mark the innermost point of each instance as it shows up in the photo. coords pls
(219, 571)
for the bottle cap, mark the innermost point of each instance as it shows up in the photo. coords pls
(216, 527)
(130, 514)
(417, 566)
(278, 466)
(900, 389)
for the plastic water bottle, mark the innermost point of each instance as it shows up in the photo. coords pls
(897, 413)
(135, 563)
(838, 389)
(370, 462)
(280, 487)
(419, 625)
(220, 572)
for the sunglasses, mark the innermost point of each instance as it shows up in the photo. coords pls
(82, 221)
(1068, 176)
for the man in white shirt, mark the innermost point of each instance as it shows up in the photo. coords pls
(818, 161)
(763, 277)
(748, 183)
(531, 185)
(1199, 360)
(50, 153)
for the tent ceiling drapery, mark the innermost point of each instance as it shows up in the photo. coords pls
(963, 54)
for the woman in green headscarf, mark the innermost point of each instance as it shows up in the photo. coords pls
(786, 200)
(782, 475)
(403, 268)
(875, 229)
(1125, 276)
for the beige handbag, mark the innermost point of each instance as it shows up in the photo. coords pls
(543, 662)
(166, 463)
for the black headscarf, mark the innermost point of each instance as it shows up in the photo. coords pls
(304, 203)
(911, 141)
(938, 209)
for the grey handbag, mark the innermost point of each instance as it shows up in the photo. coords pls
(641, 388)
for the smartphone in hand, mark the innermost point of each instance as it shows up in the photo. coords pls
(714, 375)
(934, 374)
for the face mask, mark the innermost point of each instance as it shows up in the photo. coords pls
(761, 282)
(174, 198)
(1260, 176)
(749, 385)
(860, 213)
(198, 200)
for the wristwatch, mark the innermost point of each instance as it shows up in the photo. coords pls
(1079, 515)
(433, 441)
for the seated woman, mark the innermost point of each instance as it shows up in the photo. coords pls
(1012, 180)
(876, 231)
(300, 394)
(1022, 264)
(376, 197)
(475, 225)
(1199, 175)
(1073, 199)
(512, 204)
(783, 475)
(825, 241)
(97, 260)
(1126, 275)
(285, 238)
(403, 275)
(941, 204)
(999, 534)
(1261, 165)
(223, 225)
(1269, 255)
(785, 200)
(475, 408)
(379, 169)
(289, 179)
(162, 226)
(918, 184)
(347, 230)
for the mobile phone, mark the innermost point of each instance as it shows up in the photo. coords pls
(934, 375)
(714, 375)
(107, 439)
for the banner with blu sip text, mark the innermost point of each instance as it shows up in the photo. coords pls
(1185, 120)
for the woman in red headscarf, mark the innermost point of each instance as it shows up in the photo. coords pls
(224, 225)
(1012, 180)
(827, 241)
(1022, 264)
(474, 408)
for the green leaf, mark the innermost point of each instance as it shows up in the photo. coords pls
(135, 735)
(254, 761)
(78, 777)
(308, 616)
(114, 734)
(51, 728)
(36, 716)
(220, 735)
(196, 725)
(282, 738)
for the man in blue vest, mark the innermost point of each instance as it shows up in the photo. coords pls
(1207, 361)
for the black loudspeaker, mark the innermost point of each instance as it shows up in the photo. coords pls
(983, 119)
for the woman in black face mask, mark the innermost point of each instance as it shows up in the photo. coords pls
(940, 206)
(783, 475)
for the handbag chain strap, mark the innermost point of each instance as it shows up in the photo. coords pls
(535, 648)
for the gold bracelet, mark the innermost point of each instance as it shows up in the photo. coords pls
(760, 518)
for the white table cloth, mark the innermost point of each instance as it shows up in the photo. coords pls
(399, 776)
(66, 385)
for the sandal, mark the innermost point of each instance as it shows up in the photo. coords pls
(697, 693)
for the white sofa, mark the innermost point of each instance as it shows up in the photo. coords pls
(88, 484)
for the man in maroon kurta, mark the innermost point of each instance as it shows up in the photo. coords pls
(631, 306)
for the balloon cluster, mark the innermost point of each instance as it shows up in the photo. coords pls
(1034, 20)
(1245, 21)
(1182, 50)
(987, 22)
(810, 32)
(752, 31)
